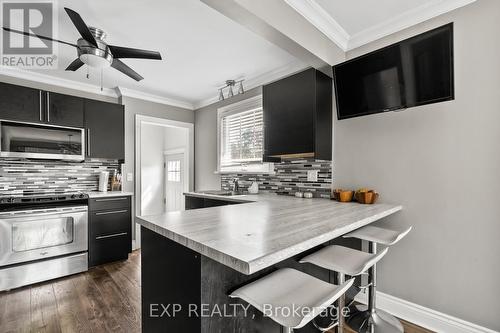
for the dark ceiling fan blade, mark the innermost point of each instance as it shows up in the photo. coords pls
(127, 52)
(75, 65)
(119, 65)
(38, 36)
(80, 25)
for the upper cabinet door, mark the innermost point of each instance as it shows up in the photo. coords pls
(298, 117)
(21, 103)
(105, 124)
(288, 115)
(64, 110)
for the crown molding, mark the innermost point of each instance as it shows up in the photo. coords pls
(260, 80)
(55, 81)
(125, 92)
(90, 88)
(323, 21)
(405, 20)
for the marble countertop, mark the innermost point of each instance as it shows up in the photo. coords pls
(264, 229)
(96, 194)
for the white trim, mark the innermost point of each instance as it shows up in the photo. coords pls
(422, 316)
(117, 92)
(154, 98)
(173, 151)
(323, 21)
(405, 20)
(90, 88)
(56, 81)
(260, 80)
(139, 121)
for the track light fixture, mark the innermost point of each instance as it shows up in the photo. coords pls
(230, 92)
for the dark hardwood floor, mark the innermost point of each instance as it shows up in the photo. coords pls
(104, 299)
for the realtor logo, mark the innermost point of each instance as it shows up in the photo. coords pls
(35, 18)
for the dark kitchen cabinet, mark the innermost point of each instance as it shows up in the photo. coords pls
(64, 110)
(298, 117)
(196, 202)
(21, 103)
(105, 125)
(36, 106)
(110, 229)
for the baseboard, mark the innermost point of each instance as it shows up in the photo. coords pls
(422, 316)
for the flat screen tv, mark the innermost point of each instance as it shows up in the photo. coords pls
(416, 71)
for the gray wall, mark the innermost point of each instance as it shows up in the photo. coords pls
(442, 162)
(205, 142)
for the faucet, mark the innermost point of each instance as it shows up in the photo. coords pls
(236, 185)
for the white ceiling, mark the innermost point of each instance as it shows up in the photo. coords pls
(201, 48)
(352, 23)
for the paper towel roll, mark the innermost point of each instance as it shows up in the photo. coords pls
(103, 181)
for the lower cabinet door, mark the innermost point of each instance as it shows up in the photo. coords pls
(110, 222)
(108, 248)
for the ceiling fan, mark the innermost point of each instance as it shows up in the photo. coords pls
(94, 51)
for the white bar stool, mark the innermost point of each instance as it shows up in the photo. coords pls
(370, 319)
(344, 261)
(279, 293)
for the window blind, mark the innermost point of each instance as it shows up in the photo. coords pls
(242, 138)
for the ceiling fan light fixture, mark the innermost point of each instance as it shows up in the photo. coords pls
(95, 61)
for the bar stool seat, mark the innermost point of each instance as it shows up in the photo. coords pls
(292, 289)
(378, 235)
(343, 259)
(369, 319)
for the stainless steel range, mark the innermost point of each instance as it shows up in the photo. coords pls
(42, 237)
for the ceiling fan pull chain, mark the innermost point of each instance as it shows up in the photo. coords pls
(102, 74)
(88, 75)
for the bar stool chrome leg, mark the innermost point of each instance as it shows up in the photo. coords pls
(341, 305)
(370, 319)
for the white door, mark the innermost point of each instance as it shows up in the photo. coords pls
(174, 182)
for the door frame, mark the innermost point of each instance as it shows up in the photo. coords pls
(189, 154)
(185, 184)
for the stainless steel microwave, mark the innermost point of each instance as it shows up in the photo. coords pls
(40, 141)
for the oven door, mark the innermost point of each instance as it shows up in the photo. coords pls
(29, 235)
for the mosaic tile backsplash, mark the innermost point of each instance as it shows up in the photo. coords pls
(36, 176)
(290, 176)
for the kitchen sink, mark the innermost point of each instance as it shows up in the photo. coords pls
(221, 192)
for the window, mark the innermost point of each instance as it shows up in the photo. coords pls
(174, 171)
(241, 133)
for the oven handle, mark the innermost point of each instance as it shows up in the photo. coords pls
(36, 213)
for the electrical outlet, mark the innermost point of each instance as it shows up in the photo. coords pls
(130, 177)
(312, 175)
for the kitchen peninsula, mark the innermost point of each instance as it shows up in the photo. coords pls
(198, 256)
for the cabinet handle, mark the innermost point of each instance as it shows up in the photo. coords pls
(40, 103)
(48, 107)
(113, 235)
(88, 142)
(110, 199)
(112, 212)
